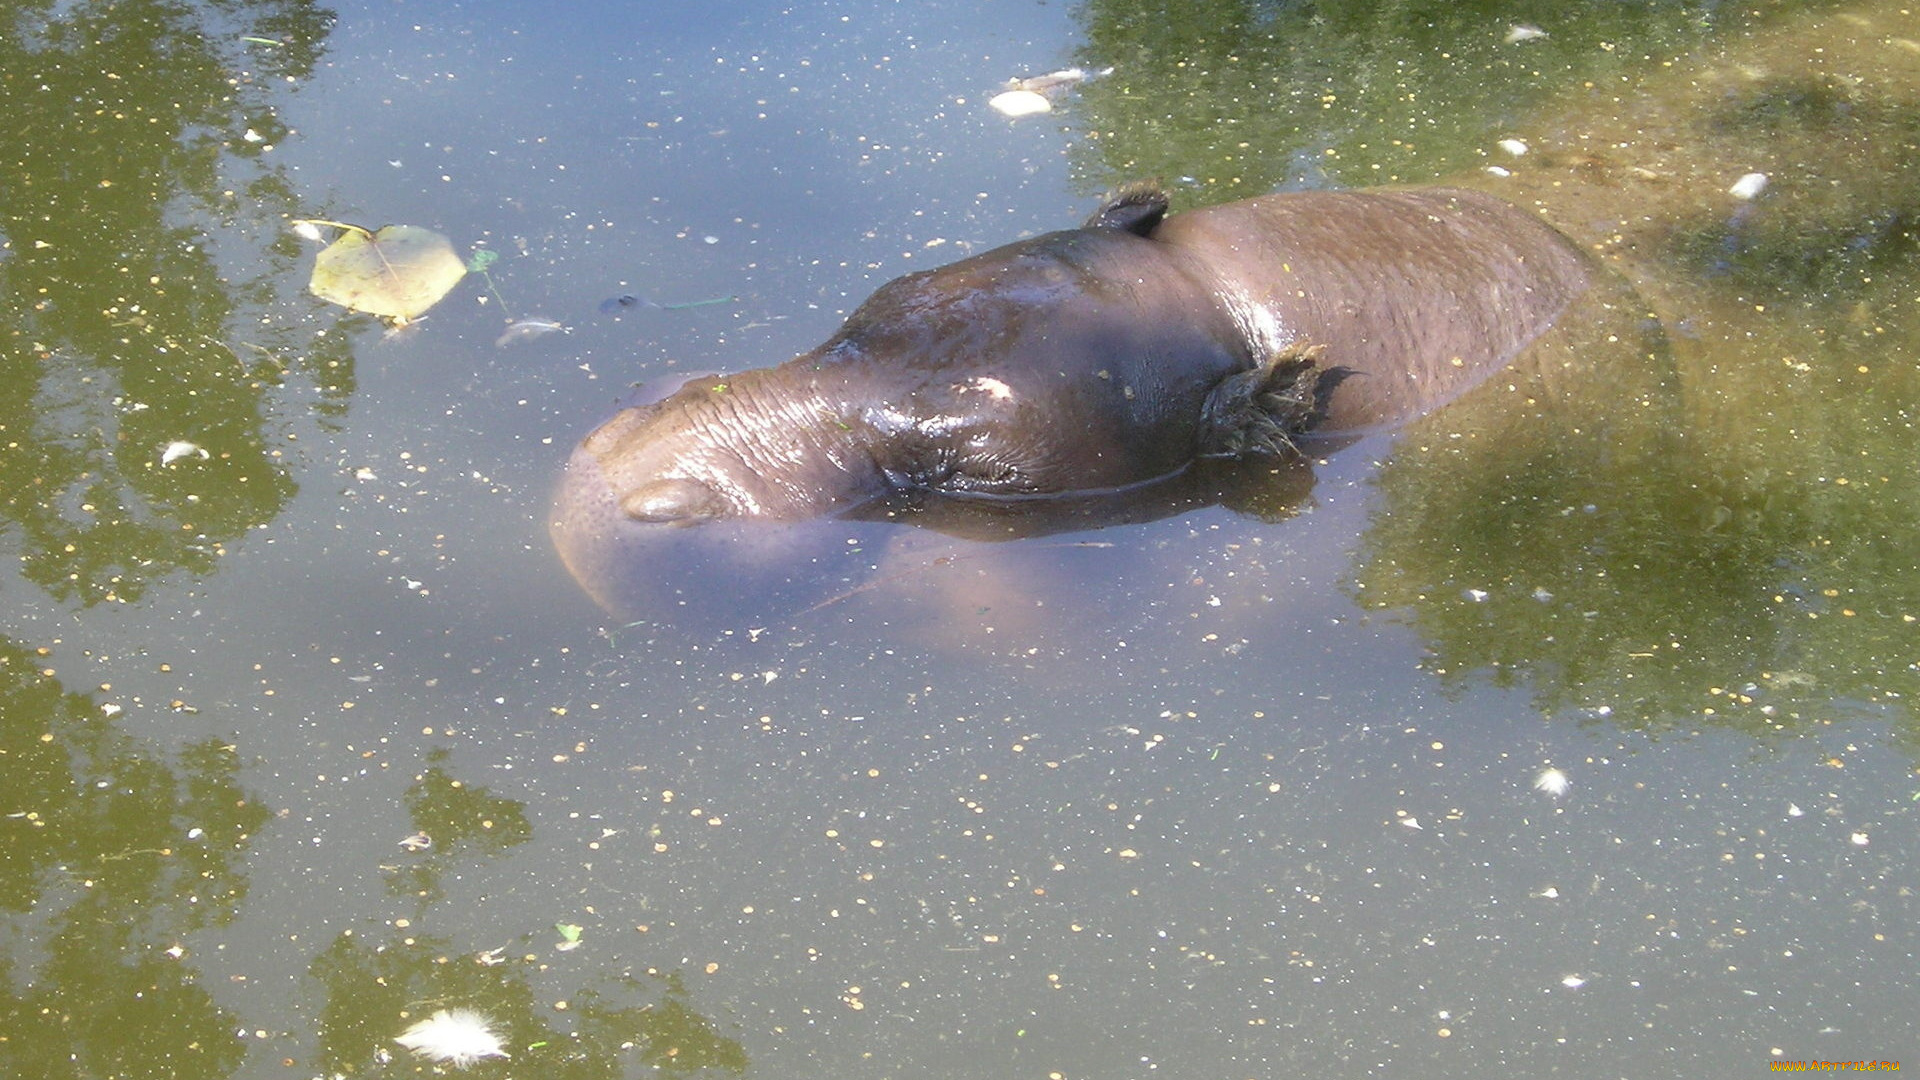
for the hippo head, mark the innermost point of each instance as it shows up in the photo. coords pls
(670, 510)
(753, 445)
(639, 461)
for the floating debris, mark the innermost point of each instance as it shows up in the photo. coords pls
(417, 842)
(1057, 80)
(1520, 32)
(1749, 186)
(527, 329)
(1513, 146)
(457, 1037)
(180, 448)
(402, 330)
(396, 272)
(1036, 94)
(1573, 982)
(628, 300)
(1553, 782)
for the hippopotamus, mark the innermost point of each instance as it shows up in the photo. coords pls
(1138, 366)
(1104, 357)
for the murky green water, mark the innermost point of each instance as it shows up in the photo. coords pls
(1212, 796)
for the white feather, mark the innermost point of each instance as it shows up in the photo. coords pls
(459, 1037)
(1749, 186)
(180, 448)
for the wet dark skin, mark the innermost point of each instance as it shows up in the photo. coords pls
(1098, 358)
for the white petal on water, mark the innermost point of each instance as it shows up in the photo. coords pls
(1017, 103)
(1499, 170)
(180, 448)
(1749, 186)
(1793, 810)
(1573, 982)
(307, 230)
(1520, 32)
(1553, 782)
(1859, 839)
(1513, 146)
(1478, 596)
(458, 1037)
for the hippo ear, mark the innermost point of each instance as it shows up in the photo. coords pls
(1136, 207)
(680, 501)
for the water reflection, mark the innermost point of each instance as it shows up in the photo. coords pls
(148, 418)
(640, 1017)
(134, 137)
(1749, 559)
(454, 824)
(1210, 844)
(1746, 546)
(125, 124)
(111, 857)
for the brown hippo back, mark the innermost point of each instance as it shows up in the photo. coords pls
(1421, 293)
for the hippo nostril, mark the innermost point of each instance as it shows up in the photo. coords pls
(679, 500)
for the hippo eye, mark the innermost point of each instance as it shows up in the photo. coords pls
(684, 501)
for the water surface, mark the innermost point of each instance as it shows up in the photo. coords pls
(1211, 796)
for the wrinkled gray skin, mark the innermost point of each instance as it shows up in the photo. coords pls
(1102, 357)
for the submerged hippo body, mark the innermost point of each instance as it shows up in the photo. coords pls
(1103, 357)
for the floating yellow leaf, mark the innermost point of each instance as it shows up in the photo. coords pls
(397, 273)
